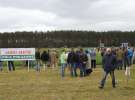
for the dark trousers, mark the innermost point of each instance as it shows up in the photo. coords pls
(93, 63)
(82, 69)
(105, 76)
(11, 66)
(73, 67)
(119, 64)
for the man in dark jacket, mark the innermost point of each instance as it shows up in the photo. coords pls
(82, 60)
(72, 60)
(45, 59)
(37, 56)
(109, 65)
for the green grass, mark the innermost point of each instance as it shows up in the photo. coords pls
(48, 85)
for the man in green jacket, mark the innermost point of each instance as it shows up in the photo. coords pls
(63, 62)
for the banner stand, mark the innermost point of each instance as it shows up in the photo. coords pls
(17, 54)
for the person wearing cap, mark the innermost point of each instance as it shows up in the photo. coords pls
(109, 64)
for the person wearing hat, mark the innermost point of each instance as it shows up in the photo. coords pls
(109, 65)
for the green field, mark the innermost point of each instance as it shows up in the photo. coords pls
(48, 85)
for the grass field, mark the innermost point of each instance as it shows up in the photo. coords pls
(48, 85)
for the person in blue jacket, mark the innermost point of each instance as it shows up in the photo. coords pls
(109, 65)
(129, 63)
(130, 55)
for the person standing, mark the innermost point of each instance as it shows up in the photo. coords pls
(129, 63)
(53, 58)
(63, 62)
(45, 59)
(89, 59)
(109, 64)
(88, 64)
(37, 56)
(71, 60)
(11, 66)
(83, 60)
(130, 55)
(126, 62)
(93, 58)
(119, 56)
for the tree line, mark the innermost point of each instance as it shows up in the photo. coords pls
(65, 38)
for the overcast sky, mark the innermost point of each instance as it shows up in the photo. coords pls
(43, 15)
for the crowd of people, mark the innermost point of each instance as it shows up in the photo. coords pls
(48, 58)
(84, 60)
(71, 59)
(78, 59)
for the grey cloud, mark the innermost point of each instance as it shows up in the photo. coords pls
(72, 8)
(88, 14)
